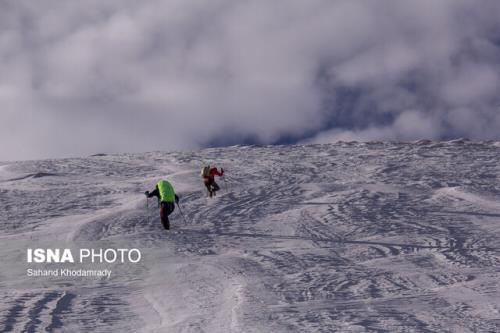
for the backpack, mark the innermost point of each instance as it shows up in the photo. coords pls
(205, 171)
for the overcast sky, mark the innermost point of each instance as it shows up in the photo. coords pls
(89, 76)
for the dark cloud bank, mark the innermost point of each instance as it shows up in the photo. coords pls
(79, 77)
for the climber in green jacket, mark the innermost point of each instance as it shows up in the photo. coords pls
(165, 193)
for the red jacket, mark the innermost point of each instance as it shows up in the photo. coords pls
(211, 175)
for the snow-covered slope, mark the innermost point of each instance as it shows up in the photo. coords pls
(348, 237)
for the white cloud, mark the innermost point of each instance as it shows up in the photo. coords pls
(408, 126)
(471, 83)
(88, 76)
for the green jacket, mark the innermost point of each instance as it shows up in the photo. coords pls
(164, 191)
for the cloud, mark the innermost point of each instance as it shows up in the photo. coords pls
(408, 126)
(90, 76)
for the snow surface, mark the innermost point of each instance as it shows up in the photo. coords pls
(347, 237)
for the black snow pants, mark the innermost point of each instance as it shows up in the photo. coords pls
(166, 209)
(212, 187)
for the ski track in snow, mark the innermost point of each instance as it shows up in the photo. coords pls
(347, 237)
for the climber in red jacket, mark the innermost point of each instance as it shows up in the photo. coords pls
(208, 173)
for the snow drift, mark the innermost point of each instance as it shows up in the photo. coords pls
(350, 237)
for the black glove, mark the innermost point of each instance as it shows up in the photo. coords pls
(146, 193)
(221, 170)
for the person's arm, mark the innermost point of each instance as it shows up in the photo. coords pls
(221, 173)
(154, 193)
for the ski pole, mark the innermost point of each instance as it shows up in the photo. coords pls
(182, 214)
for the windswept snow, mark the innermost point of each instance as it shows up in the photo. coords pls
(347, 237)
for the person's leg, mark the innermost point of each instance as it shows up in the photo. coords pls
(209, 188)
(164, 216)
(170, 208)
(215, 187)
